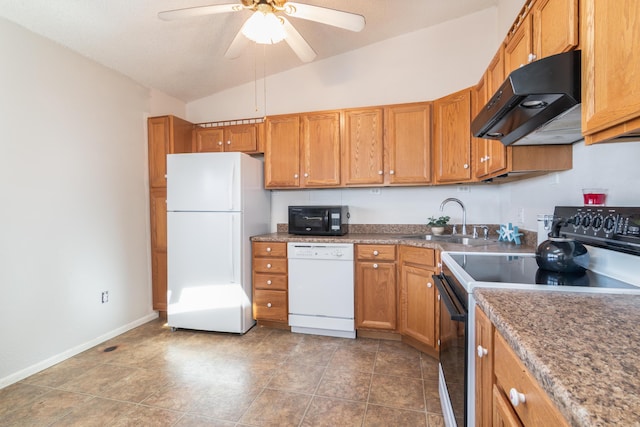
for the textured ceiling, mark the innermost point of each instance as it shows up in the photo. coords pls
(185, 59)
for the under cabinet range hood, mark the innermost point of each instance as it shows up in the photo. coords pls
(539, 103)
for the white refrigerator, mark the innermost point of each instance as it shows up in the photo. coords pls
(215, 203)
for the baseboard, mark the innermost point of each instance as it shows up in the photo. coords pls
(47, 363)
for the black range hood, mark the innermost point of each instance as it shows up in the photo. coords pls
(539, 103)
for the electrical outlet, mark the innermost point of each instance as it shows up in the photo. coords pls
(521, 215)
(463, 189)
(375, 191)
(105, 296)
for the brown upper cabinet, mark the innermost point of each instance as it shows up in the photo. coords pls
(320, 149)
(166, 135)
(610, 63)
(407, 144)
(362, 147)
(247, 138)
(303, 150)
(452, 137)
(543, 28)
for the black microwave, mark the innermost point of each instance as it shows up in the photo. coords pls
(319, 220)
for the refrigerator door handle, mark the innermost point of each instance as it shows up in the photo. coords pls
(234, 255)
(232, 173)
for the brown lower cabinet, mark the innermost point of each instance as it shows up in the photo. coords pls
(501, 373)
(270, 283)
(375, 287)
(419, 307)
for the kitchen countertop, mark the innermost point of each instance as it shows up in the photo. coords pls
(584, 349)
(395, 238)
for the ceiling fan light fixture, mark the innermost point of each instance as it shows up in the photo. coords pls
(264, 28)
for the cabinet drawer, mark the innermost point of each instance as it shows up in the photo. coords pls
(270, 281)
(511, 373)
(420, 256)
(267, 265)
(376, 252)
(270, 249)
(270, 305)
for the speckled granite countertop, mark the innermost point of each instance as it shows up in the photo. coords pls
(393, 235)
(584, 349)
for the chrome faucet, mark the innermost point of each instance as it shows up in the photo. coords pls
(464, 212)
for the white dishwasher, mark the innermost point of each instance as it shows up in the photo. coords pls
(321, 289)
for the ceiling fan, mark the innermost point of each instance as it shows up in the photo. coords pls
(267, 25)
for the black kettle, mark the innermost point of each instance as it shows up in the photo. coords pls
(561, 254)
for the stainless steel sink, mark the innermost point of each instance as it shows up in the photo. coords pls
(453, 238)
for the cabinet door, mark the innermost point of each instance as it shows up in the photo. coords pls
(408, 144)
(555, 26)
(503, 415)
(158, 129)
(243, 138)
(282, 152)
(376, 295)
(484, 368)
(519, 49)
(158, 205)
(418, 304)
(452, 137)
(208, 140)
(495, 152)
(362, 147)
(321, 149)
(610, 63)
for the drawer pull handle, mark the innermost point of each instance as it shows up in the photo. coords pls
(268, 265)
(516, 397)
(268, 305)
(375, 253)
(375, 265)
(268, 282)
(429, 285)
(482, 351)
(268, 249)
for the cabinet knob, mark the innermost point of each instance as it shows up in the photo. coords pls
(228, 142)
(375, 265)
(482, 351)
(392, 172)
(268, 305)
(306, 175)
(532, 57)
(466, 166)
(375, 253)
(295, 175)
(268, 265)
(380, 172)
(219, 142)
(268, 282)
(429, 285)
(487, 158)
(516, 397)
(268, 249)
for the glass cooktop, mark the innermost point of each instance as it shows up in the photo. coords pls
(524, 269)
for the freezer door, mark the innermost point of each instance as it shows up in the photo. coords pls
(205, 289)
(203, 182)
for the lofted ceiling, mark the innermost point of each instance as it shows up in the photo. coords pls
(185, 58)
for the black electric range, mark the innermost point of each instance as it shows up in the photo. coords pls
(511, 269)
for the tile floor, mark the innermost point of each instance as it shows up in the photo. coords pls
(267, 377)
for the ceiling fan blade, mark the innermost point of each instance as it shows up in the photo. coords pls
(336, 18)
(297, 43)
(170, 15)
(237, 45)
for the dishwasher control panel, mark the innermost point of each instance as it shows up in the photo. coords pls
(336, 251)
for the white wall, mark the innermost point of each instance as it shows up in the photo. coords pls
(74, 209)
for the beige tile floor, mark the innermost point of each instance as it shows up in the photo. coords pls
(266, 377)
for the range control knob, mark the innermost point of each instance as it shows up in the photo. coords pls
(596, 224)
(609, 224)
(576, 220)
(586, 221)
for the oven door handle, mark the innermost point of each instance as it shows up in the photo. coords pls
(455, 309)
